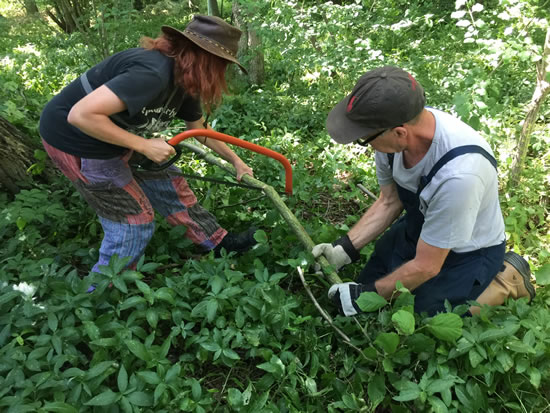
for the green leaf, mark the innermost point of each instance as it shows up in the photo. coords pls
(122, 379)
(376, 390)
(56, 344)
(21, 223)
(38, 353)
(149, 267)
(370, 301)
(447, 326)
(234, 397)
(150, 377)
(104, 342)
(139, 398)
(211, 346)
(535, 377)
(439, 386)
(104, 399)
(119, 283)
(495, 334)
(407, 392)
(404, 322)
(475, 358)
(437, 405)
(172, 373)
(519, 347)
(275, 367)
(196, 390)
(387, 342)
(144, 288)
(227, 352)
(52, 322)
(311, 385)
(91, 330)
(125, 404)
(505, 360)
(132, 302)
(138, 349)
(260, 236)
(4, 298)
(350, 402)
(543, 275)
(211, 309)
(165, 294)
(152, 317)
(98, 369)
(159, 391)
(216, 284)
(59, 407)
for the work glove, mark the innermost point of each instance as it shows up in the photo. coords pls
(344, 295)
(338, 254)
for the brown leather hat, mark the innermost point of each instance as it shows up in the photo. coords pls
(213, 35)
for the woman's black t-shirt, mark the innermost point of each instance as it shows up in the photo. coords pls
(143, 80)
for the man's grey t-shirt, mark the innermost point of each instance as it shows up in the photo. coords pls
(460, 205)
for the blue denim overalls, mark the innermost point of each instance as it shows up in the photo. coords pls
(464, 276)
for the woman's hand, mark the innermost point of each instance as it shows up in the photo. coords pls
(158, 150)
(242, 169)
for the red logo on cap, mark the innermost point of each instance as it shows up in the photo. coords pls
(350, 104)
(413, 81)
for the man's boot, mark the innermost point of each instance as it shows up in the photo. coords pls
(513, 280)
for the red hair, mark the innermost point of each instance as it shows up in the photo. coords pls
(200, 73)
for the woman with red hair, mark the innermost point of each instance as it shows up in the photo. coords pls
(97, 125)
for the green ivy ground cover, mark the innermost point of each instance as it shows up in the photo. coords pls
(238, 334)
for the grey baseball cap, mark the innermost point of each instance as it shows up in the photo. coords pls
(382, 98)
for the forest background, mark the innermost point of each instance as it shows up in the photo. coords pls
(185, 332)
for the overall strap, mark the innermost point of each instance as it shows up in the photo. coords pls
(453, 153)
(86, 83)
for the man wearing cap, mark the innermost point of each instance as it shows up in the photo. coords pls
(100, 123)
(450, 243)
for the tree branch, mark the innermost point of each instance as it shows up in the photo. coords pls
(288, 216)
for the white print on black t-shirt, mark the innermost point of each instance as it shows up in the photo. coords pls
(156, 120)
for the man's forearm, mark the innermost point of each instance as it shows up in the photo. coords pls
(378, 217)
(425, 265)
(410, 274)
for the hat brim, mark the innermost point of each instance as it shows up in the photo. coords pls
(342, 129)
(203, 44)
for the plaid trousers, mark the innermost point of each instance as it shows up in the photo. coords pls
(125, 199)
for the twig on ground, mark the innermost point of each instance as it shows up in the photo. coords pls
(325, 314)
(366, 191)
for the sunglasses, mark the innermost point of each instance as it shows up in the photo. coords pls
(366, 141)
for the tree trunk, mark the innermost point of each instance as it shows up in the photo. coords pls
(213, 9)
(241, 25)
(542, 90)
(249, 44)
(257, 70)
(16, 157)
(68, 15)
(31, 7)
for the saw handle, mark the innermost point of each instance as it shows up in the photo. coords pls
(149, 165)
